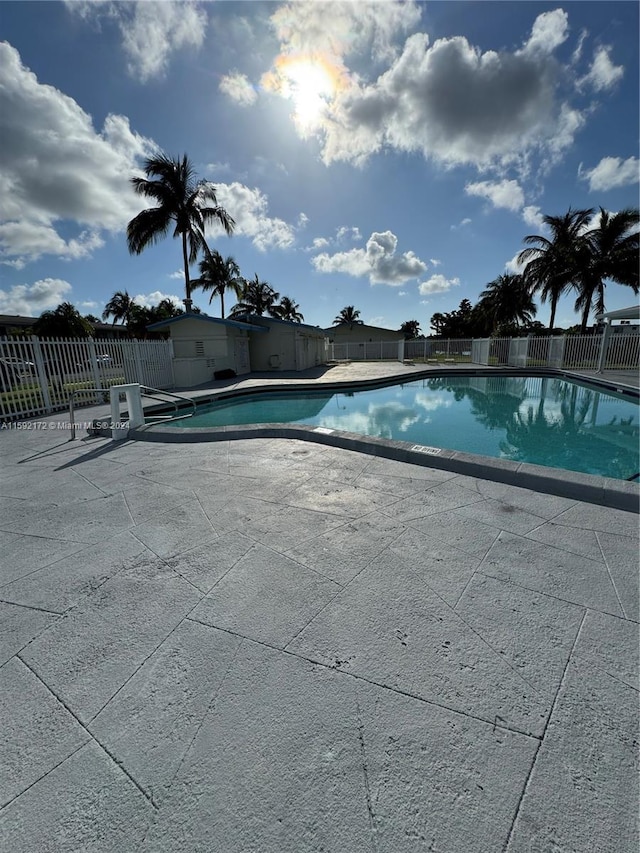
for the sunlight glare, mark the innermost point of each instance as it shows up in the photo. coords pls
(310, 86)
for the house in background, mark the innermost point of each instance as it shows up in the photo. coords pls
(203, 346)
(15, 322)
(360, 333)
(287, 346)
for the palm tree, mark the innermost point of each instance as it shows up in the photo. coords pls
(182, 204)
(288, 310)
(609, 251)
(165, 309)
(257, 297)
(410, 329)
(348, 315)
(218, 274)
(65, 321)
(507, 300)
(552, 264)
(119, 307)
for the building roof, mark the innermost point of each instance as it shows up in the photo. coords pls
(632, 313)
(330, 329)
(205, 318)
(255, 318)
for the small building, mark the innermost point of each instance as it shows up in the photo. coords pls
(361, 333)
(203, 346)
(287, 346)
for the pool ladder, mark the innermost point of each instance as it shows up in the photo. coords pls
(157, 394)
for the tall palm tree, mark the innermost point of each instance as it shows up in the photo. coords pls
(507, 300)
(119, 307)
(552, 264)
(609, 251)
(348, 315)
(183, 203)
(257, 297)
(218, 274)
(288, 310)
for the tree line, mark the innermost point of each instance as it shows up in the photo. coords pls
(584, 251)
(578, 256)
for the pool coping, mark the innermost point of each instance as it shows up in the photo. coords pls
(604, 491)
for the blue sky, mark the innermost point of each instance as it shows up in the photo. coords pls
(390, 156)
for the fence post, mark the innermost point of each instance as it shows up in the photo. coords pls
(603, 348)
(94, 364)
(171, 357)
(42, 375)
(400, 350)
(138, 362)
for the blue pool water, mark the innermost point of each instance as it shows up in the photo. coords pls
(545, 421)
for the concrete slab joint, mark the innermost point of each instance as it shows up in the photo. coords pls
(284, 646)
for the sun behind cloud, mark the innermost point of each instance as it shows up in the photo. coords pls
(310, 81)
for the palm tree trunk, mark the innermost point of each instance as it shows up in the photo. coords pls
(188, 304)
(222, 302)
(585, 318)
(554, 305)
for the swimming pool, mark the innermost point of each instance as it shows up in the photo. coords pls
(543, 420)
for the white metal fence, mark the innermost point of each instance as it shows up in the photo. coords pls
(364, 351)
(37, 376)
(439, 349)
(622, 351)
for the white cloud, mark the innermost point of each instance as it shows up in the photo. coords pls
(448, 100)
(57, 168)
(435, 262)
(549, 31)
(465, 221)
(512, 266)
(345, 232)
(378, 260)
(303, 219)
(612, 172)
(315, 40)
(532, 215)
(319, 243)
(507, 194)
(342, 28)
(237, 87)
(437, 284)
(30, 300)
(178, 275)
(219, 167)
(456, 104)
(603, 74)
(149, 300)
(250, 209)
(150, 32)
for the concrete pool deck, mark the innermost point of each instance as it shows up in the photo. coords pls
(274, 646)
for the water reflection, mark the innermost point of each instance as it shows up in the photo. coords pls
(558, 427)
(541, 420)
(385, 420)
